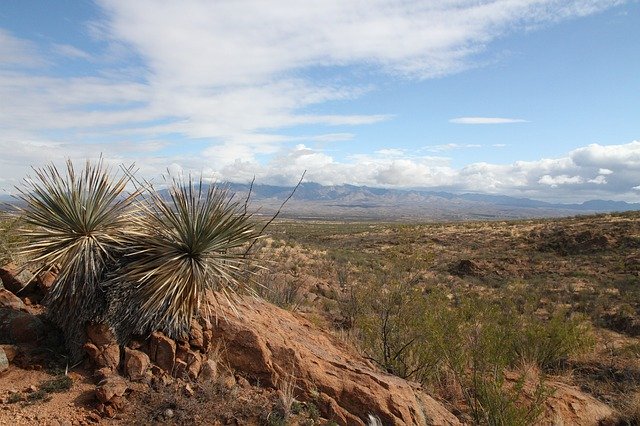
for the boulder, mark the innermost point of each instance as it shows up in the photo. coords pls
(45, 281)
(102, 346)
(11, 301)
(162, 351)
(136, 364)
(10, 351)
(570, 406)
(15, 279)
(271, 345)
(111, 387)
(20, 327)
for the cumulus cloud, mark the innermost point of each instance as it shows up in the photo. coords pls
(555, 179)
(486, 120)
(218, 87)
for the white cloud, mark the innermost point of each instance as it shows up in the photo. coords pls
(486, 120)
(554, 181)
(229, 80)
(599, 180)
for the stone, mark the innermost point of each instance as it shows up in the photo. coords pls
(102, 373)
(162, 351)
(207, 340)
(45, 281)
(17, 327)
(188, 390)
(4, 361)
(101, 334)
(267, 343)
(105, 356)
(196, 336)
(10, 351)
(209, 370)
(136, 364)
(194, 365)
(14, 279)
(11, 301)
(102, 346)
(180, 369)
(111, 387)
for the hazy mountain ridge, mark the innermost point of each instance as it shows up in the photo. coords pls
(312, 200)
(349, 201)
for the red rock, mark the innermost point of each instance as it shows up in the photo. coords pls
(194, 364)
(180, 369)
(104, 356)
(267, 343)
(209, 370)
(196, 336)
(13, 278)
(11, 301)
(570, 406)
(101, 334)
(20, 327)
(136, 364)
(162, 351)
(102, 346)
(45, 281)
(11, 351)
(111, 387)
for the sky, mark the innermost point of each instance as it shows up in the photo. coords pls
(527, 98)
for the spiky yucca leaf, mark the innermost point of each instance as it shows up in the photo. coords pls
(74, 222)
(182, 245)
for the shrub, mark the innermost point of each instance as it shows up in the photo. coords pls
(179, 246)
(75, 222)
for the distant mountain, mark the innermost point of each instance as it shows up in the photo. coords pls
(312, 200)
(349, 202)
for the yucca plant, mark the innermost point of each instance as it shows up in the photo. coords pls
(181, 245)
(74, 222)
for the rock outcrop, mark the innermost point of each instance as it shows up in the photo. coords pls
(271, 345)
(569, 406)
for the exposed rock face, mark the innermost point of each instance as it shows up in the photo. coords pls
(269, 344)
(569, 406)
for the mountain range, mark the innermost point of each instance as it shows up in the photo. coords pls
(349, 202)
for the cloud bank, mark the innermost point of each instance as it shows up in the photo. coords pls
(216, 86)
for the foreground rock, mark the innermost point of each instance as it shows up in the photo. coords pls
(14, 279)
(272, 346)
(18, 327)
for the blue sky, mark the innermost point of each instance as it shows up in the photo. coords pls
(531, 98)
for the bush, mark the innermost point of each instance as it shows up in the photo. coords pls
(139, 261)
(468, 344)
(75, 222)
(177, 248)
